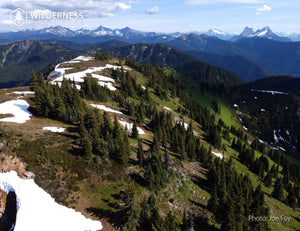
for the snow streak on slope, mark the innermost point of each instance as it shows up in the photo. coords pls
(18, 108)
(217, 154)
(54, 129)
(23, 92)
(104, 108)
(37, 210)
(130, 125)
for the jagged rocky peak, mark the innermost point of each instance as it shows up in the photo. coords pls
(247, 32)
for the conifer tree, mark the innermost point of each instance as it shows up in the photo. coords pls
(268, 179)
(34, 81)
(278, 190)
(140, 153)
(134, 132)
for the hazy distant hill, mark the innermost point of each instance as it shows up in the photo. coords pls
(287, 84)
(243, 67)
(19, 58)
(162, 55)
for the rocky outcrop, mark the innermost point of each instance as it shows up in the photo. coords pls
(8, 219)
(2, 202)
(11, 163)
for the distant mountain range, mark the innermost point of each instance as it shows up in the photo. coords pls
(251, 55)
(132, 36)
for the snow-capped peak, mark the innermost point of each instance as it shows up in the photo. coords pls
(217, 31)
(262, 32)
(265, 32)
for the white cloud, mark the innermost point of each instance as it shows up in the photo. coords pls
(90, 8)
(263, 9)
(152, 11)
(205, 2)
(121, 6)
(6, 22)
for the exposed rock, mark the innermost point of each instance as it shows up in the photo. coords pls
(2, 202)
(8, 219)
(1, 146)
(28, 175)
(9, 163)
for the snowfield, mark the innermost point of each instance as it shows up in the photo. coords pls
(18, 108)
(37, 210)
(104, 108)
(83, 58)
(78, 77)
(54, 129)
(130, 125)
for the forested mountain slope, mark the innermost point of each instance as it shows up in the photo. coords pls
(18, 59)
(146, 148)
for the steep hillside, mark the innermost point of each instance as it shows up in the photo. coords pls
(145, 148)
(162, 55)
(18, 59)
(287, 84)
(243, 67)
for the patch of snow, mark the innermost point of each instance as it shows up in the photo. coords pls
(83, 58)
(287, 132)
(281, 148)
(108, 85)
(109, 66)
(262, 33)
(185, 126)
(18, 108)
(167, 108)
(272, 92)
(104, 108)
(60, 71)
(143, 87)
(275, 136)
(262, 110)
(78, 77)
(130, 125)
(246, 129)
(178, 121)
(240, 119)
(220, 155)
(255, 97)
(23, 92)
(235, 105)
(103, 78)
(54, 129)
(37, 210)
(218, 32)
(72, 61)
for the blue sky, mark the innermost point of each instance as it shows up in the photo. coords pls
(162, 16)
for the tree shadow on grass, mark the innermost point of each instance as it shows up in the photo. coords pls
(202, 183)
(138, 179)
(114, 217)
